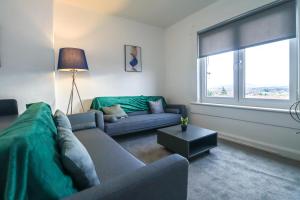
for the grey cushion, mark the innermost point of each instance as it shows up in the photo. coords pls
(76, 159)
(156, 107)
(110, 118)
(61, 120)
(82, 121)
(110, 159)
(138, 113)
(115, 110)
(141, 122)
(173, 110)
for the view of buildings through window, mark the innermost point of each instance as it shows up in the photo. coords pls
(219, 75)
(265, 67)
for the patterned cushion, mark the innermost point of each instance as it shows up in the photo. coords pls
(156, 107)
(115, 110)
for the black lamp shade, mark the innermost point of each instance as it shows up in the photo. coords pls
(72, 59)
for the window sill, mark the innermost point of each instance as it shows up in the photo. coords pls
(242, 107)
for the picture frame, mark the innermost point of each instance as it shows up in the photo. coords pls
(133, 58)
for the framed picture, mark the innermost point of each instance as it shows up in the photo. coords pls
(133, 58)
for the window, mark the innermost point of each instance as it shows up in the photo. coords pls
(256, 76)
(251, 59)
(267, 71)
(219, 75)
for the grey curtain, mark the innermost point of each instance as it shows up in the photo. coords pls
(268, 24)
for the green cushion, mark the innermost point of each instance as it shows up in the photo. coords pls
(128, 103)
(115, 110)
(30, 162)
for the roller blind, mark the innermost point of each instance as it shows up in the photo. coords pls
(267, 24)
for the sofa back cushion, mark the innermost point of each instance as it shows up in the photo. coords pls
(128, 103)
(61, 120)
(156, 107)
(30, 163)
(76, 159)
(115, 110)
(83, 121)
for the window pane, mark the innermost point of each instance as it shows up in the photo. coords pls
(219, 75)
(267, 71)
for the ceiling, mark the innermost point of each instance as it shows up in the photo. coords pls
(161, 13)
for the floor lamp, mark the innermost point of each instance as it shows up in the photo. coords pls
(72, 60)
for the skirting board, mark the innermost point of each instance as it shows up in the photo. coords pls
(282, 151)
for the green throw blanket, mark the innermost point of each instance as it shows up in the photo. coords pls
(128, 103)
(29, 160)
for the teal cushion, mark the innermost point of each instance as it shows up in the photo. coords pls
(76, 159)
(115, 110)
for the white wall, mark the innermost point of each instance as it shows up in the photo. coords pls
(169, 64)
(26, 52)
(276, 133)
(103, 38)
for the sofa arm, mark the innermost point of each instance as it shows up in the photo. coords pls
(99, 119)
(165, 179)
(181, 108)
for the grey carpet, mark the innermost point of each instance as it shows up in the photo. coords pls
(230, 171)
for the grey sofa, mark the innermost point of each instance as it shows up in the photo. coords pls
(122, 176)
(8, 112)
(143, 120)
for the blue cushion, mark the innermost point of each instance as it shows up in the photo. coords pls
(76, 159)
(61, 120)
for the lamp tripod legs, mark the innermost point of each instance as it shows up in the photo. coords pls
(70, 104)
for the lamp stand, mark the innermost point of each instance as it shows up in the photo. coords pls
(70, 104)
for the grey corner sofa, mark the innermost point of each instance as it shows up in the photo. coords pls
(122, 176)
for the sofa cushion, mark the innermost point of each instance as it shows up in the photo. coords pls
(156, 107)
(141, 122)
(83, 120)
(61, 120)
(76, 159)
(110, 118)
(115, 110)
(173, 110)
(109, 158)
(138, 113)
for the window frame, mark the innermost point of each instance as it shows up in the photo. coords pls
(239, 83)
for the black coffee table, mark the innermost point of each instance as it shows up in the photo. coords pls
(189, 144)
